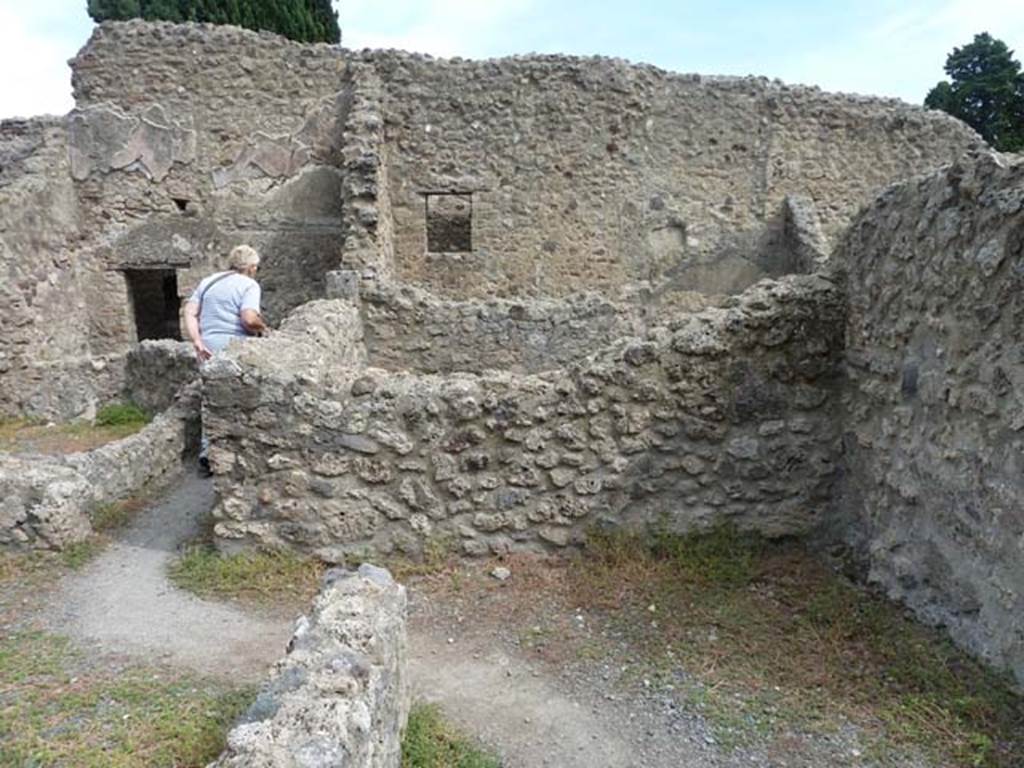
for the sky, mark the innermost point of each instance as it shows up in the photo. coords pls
(882, 47)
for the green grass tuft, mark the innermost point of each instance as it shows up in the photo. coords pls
(117, 514)
(121, 415)
(265, 578)
(431, 742)
(82, 553)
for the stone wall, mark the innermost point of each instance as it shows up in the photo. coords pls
(934, 489)
(46, 502)
(179, 157)
(582, 174)
(585, 174)
(49, 366)
(726, 415)
(410, 329)
(341, 696)
(368, 250)
(156, 371)
(185, 141)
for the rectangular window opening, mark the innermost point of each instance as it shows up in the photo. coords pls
(449, 222)
(155, 303)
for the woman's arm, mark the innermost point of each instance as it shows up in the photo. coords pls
(252, 321)
(192, 328)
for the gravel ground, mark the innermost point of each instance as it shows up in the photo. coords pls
(544, 684)
(123, 603)
(512, 662)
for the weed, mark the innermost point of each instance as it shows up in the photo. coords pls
(120, 415)
(36, 568)
(262, 577)
(58, 712)
(436, 556)
(535, 637)
(80, 554)
(774, 641)
(23, 566)
(117, 514)
(431, 742)
(722, 557)
(437, 551)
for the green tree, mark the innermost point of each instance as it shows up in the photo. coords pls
(985, 90)
(304, 20)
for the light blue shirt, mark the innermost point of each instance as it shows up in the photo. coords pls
(220, 316)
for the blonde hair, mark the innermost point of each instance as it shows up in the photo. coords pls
(243, 256)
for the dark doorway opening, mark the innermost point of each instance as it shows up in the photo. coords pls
(155, 303)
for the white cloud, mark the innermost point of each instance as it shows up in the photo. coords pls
(468, 28)
(36, 79)
(903, 54)
(36, 40)
(900, 54)
(37, 37)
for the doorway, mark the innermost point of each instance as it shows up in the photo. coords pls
(155, 303)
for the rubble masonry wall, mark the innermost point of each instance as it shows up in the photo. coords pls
(591, 173)
(47, 502)
(47, 320)
(341, 695)
(407, 328)
(587, 174)
(726, 415)
(933, 487)
(188, 139)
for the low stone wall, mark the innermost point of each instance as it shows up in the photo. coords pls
(410, 329)
(41, 503)
(933, 494)
(46, 501)
(341, 696)
(156, 370)
(726, 415)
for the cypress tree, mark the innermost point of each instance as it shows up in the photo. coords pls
(326, 20)
(304, 20)
(101, 10)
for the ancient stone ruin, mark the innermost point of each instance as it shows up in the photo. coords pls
(519, 299)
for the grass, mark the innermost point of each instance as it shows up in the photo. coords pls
(121, 414)
(55, 710)
(22, 567)
(117, 514)
(771, 640)
(431, 742)
(31, 566)
(80, 554)
(261, 578)
(438, 555)
(113, 422)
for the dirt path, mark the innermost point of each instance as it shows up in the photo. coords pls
(123, 602)
(463, 657)
(525, 717)
(534, 720)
